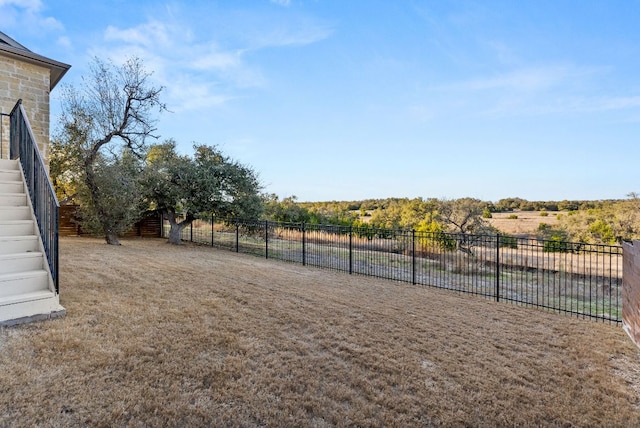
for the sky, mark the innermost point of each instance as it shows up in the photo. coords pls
(357, 99)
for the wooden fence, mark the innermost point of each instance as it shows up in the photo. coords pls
(149, 227)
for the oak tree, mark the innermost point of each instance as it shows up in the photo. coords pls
(185, 188)
(110, 114)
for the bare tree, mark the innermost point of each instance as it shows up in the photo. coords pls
(110, 114)
(464, 217)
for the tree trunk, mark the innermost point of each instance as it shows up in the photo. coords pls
(111, 238)
(175, 232)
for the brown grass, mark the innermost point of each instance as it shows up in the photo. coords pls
(526, 224)
(164, 336)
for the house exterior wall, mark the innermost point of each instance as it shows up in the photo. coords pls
(31, 83)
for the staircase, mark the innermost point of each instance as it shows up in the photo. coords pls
(27, 292)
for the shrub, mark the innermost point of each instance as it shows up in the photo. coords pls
(513, 217)
(558, 244)
(486, 213)
(543, 214)
(507, 241)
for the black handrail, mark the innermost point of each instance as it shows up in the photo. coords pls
(43, 198)
(2, 116)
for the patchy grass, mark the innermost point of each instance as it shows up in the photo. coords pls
(157, 335)
(525, 222)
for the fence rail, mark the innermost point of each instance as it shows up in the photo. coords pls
(43, 197)
(584, 280)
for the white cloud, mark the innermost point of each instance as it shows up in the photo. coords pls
(206, 64)
(152, 34)
(27, 15)
(212, 57)
(31, 5)
(527, 79)
(532, 91)
(65, 42)
(299, 34)
(196, 74)
(281, 2)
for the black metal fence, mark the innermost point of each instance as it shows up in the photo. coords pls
(574, 278)
(43, 197)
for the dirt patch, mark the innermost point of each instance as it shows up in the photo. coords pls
(157, 335)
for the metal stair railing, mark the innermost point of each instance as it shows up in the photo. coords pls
(43, 197)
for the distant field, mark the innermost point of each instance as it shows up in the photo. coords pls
(526, 224)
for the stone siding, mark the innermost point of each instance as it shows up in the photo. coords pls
(631, 290)
(22, 80)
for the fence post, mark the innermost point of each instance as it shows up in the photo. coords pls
(237, 237)
(497, 267)
(266, 239)
(304, 249)
(413, 256)
(212, 229)
(191, 227)
(350, 250)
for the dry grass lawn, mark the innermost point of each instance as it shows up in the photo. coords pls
(157, 335)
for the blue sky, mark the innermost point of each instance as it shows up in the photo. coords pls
(356, 99)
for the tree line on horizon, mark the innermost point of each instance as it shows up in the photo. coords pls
(596, 222)
(101, 160)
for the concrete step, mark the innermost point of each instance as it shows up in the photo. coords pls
(11, 187)
(14, 284)
(28, 307)
(10, 175)
(15, 213)
(9, 164)
(20, 262)
(18, 244)
(13, 199)
(17, 227)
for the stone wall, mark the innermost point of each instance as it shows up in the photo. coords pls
(22, 80)
(631, 290)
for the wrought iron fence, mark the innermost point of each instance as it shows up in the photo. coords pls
(584, 280)
(43, 197)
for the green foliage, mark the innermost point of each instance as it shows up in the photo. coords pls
(607, 223)
(513, 217)
(618, 219)
(507, 241)
(602, 232)
(107, 118)
(463, 216)
(285, 210)
(207, 183)
(431, 234)
(119, 202)
(557, 244)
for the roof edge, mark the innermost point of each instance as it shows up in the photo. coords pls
(58, 69)
(11, 42)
